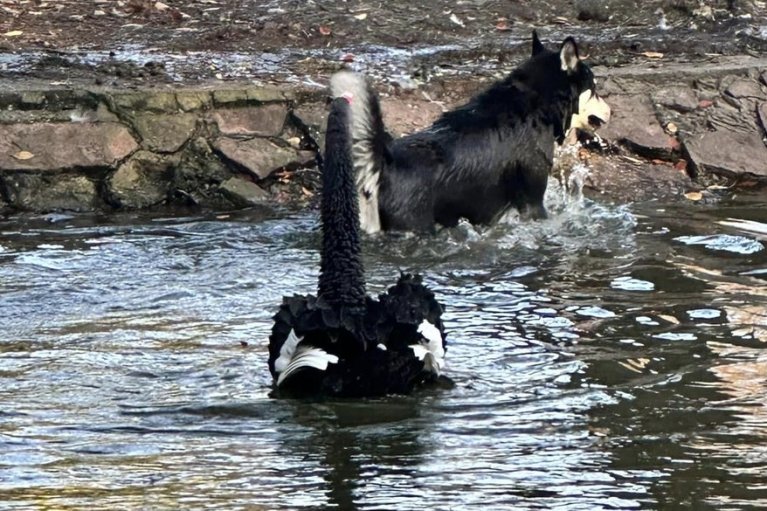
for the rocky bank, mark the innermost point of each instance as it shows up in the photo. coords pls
(679, 130)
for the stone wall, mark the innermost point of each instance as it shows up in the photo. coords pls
(676, 128)
(81, 149)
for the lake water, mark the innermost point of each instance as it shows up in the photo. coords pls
(610, 357)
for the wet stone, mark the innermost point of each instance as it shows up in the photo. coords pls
(32, 99)
(165, 133)
(145, 101)
(261, 157)
(197, 177)
(312, 117)
(57, 146)
(269, 94)
(193, 100)
(229, 96)
(266, 120)
(742, 88)
(635, 124)
(43, 193)
(731, 154)
(161, 102)
(243, 193)
(680, 99)
(624, 179)
(143, 181)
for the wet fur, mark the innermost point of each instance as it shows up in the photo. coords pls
(476, 161)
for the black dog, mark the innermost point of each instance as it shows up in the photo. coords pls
(478, 160)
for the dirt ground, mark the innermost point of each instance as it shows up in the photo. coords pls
(612, 32)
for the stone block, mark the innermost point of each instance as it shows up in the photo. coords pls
(265, 120)
(732, 154)
(261, 157)
(635, 124)
(165, 133)
(243, 193)
(56, 146)
(142, 181)
(46, 192)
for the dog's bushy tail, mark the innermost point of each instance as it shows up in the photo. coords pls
(369, 139)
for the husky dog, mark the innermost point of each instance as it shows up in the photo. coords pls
(478, 160)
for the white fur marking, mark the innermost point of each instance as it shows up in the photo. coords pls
(590, 104)
(432, 352)
(307, 356)
(366, 175)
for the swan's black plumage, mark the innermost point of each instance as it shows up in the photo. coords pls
(343, 342)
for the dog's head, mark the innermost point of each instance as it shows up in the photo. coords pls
(589, 111)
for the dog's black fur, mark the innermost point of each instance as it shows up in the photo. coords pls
(477, 161)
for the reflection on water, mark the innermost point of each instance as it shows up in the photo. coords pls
(607, 358)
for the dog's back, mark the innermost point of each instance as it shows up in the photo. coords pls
(493, 153)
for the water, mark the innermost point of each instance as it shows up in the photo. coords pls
(611, 357)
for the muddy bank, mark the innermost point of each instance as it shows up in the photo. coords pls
(678, 131)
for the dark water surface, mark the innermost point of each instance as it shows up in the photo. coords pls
(607, 358)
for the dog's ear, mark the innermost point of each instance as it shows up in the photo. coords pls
(537, 46)
(568, 56)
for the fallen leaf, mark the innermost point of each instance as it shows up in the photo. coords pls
(160, 6)
(694, 196)
(325, 30)
(455, 19)
(561, 20)
(705, 103)
(23, 155)
(681, 165)
(347, 57)
(13, 33)
(670, 319)
(653, 55)
(502, 25)
(672, 128)
(306, 191)
(362, 16)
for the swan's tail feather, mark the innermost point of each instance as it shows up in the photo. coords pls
(306, 357)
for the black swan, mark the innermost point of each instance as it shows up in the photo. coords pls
(342, 342)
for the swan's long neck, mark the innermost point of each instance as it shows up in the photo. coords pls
(342, 277)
